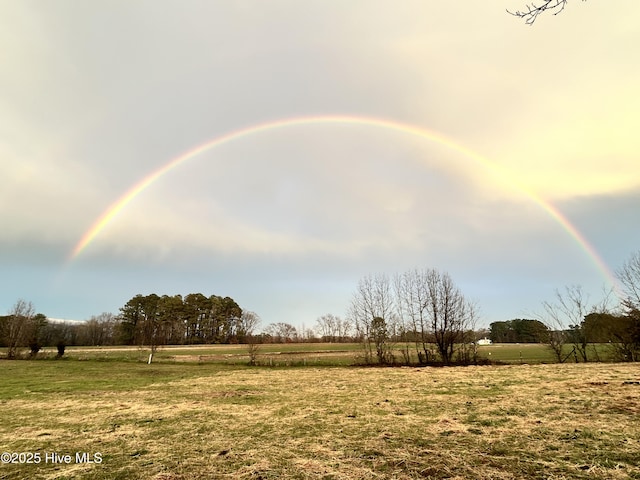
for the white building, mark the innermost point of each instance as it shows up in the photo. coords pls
(484, 341)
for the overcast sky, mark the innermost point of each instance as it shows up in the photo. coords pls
(95, 96)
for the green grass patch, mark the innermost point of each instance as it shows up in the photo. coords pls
(539, 353)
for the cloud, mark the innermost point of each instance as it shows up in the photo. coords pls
(289, 192)
(94, 97)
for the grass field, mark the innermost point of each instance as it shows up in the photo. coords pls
(287, 354)
(175, 420)
(306, 354)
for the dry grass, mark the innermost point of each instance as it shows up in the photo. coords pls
(540, 421)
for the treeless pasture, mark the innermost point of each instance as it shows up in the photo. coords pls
(189, 421)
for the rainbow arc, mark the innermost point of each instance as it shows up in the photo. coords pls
(114, 209)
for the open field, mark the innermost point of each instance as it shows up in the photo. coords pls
(284, 354)
(306, 354)
(174, 421)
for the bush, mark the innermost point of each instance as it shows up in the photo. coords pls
(61, 346)
(35, 348)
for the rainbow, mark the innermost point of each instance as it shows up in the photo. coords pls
(110, 213)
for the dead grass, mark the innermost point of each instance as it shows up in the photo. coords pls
(542, 421)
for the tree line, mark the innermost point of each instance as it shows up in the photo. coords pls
(154, 320)
(620, 330)
(147, 320)
(425, 308)
(193, 319)
(518, 330)
(420, 313)
(573, 319)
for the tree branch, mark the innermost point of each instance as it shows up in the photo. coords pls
(534, 9)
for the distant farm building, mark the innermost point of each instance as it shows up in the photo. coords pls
(484, 341)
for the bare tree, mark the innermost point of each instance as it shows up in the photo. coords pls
(451, 315)
(98, 330)
(326, 327)
(332, 328)
(380, 336)
(17, 327)
(247, 325)
(565, 317)
(35, 333)
(371, 310)
(249, 322)
(308, 335)
(553, 318)
(590, 332)
(532, 10)
(344, 329)
(281, 332)
(629, 276)
(412, 295)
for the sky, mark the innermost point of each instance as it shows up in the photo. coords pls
(278, 151)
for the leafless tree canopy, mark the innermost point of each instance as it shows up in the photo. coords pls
(629, 276)
(531, 11)
(565, 317)
(281, 332)
(248, 324)
(332, 328)
(18, 326)
(372, 310)
(98, 330)
(568, 310)
(451, 315)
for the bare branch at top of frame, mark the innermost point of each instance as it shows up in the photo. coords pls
(532, 11)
